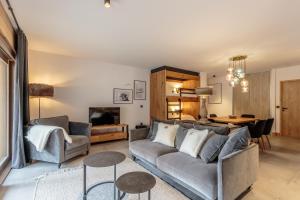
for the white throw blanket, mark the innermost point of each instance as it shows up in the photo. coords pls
(38, 135)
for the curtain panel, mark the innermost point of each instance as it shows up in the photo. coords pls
(20, 101)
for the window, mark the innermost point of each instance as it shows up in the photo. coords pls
(4, 108)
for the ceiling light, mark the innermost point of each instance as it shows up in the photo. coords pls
(107, 3)
(236, 72)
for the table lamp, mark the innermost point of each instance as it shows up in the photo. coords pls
(203, 93)
(40, 90)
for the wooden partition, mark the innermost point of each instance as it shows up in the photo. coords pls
(159, 100)
(257, 100)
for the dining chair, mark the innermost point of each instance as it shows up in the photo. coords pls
(256, 131)
(268, 129)
(247, 116)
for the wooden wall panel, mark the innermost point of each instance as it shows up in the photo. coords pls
(257, 100)
(158, 109)
(6, 28)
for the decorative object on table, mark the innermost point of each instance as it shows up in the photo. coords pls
(123, 96)
(203, 93)
(216, 97)
(135, 183)
(141, 125)
(139, 90)
(39, 90)
(236, 72)
(102, 159)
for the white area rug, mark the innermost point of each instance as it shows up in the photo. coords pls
(67, 184)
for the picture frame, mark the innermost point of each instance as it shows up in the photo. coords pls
(216, 97)
(122, 96)
(139, 90)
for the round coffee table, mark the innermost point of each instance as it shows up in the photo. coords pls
(135, 183)
(102, 159)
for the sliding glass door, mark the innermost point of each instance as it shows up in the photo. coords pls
(4, 118)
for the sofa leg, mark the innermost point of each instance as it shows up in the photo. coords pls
(87, 152)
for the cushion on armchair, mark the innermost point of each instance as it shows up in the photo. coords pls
(60, 121)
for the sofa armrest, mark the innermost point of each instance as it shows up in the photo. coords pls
(237, 172)
(80, 128)
(54, 150)
(138, 134)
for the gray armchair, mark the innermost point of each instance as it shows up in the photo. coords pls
(57, 150)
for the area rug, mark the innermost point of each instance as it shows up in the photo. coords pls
(67, 184)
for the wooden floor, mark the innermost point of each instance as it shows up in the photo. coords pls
(278, 179)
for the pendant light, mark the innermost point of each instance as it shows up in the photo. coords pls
(236, 72)
(107, 3)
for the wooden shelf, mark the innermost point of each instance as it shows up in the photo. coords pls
(182, 99)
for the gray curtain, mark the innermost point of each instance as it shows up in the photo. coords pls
(21, 102)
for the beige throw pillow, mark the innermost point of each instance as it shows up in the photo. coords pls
(193, 142)
(166, 134)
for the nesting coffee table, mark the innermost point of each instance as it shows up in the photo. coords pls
(135, 183)
(102, 159)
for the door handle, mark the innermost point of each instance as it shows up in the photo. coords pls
(283, 108)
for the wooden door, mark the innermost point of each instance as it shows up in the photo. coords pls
(290, 108)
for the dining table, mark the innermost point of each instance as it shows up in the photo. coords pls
(235, 120)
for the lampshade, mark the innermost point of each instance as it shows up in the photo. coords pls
(40, 90)
(205, 91)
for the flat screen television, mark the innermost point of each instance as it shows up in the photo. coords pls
(104, 115)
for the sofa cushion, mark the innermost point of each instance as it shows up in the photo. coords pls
(193, 142)
(77, 141)
(221, 130)
(166, 134)
(192, 171)
(212, 147)
(60, 121)
(238, 140)
(154, 127)
(148, 150)
(180, 135)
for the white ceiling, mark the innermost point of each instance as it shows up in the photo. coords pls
(193, 34)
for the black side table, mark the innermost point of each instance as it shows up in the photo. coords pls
(135, 183)
(102, 159)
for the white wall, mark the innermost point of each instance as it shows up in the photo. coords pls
(225, 108)
(81, 83)
(278, 75)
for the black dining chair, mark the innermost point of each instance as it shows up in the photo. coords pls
(247, 116)
(268, 129)
(257, 130)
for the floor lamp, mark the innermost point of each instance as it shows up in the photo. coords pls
(203, 93)
(39, 90)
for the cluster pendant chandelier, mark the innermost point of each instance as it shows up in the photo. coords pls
(236, 72)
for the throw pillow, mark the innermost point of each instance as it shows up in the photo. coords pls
(153, 130)
(212, 147)
(166, 134)
(193, 142)
(180, 135)
(238, 140)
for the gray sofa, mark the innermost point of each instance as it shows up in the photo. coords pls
(225, 179)
(57, 150)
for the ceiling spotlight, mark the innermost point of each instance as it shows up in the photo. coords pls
(107, 3)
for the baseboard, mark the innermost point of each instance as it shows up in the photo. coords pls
(5, 173)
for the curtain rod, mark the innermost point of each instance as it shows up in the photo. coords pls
(13, 14)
